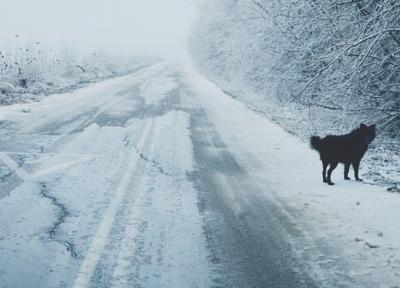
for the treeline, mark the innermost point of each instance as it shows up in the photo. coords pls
(333, 57)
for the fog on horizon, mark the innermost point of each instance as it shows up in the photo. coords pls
(151, 27)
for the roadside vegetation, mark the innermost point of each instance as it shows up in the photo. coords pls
(29, 71)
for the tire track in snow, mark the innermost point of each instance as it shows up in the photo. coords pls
(120, 277)
(121, 273)
(152, 252)
(96, 248)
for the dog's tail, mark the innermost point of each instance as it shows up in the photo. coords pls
(316, 142)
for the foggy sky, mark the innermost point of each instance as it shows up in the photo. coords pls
(157, 27)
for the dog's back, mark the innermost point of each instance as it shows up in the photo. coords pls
(342, 148)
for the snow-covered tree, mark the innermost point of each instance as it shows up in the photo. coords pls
(341, 56)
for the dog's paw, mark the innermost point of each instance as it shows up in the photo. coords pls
(346, 178)
(331, 183)
(359, 179)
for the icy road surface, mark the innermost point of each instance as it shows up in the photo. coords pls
(158, 179)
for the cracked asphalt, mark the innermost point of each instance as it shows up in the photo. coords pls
(61, 215)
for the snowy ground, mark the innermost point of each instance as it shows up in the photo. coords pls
(159, 179)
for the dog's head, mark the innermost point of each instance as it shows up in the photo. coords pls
(369, 132)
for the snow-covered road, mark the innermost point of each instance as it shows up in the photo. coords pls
(159, 179)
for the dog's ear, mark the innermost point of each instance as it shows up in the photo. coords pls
(362, 125)
(373, 127)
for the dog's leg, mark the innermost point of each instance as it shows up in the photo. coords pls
(331, 168)
(356, 166)
(324, 166)
(346, 171)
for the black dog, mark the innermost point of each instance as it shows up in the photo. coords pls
(347, 149)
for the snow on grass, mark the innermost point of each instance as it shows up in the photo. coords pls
(30, 71)
(360, 219)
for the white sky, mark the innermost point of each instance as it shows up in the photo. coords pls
(156, 27)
